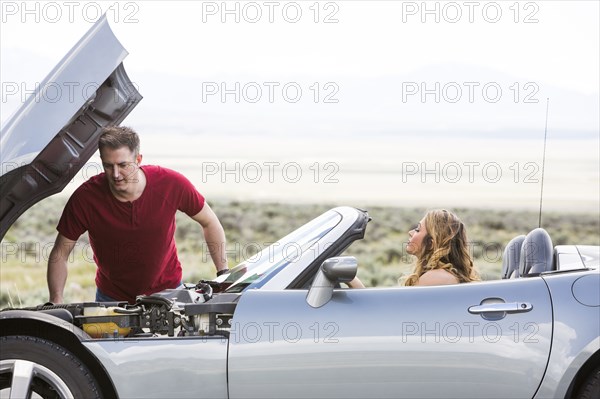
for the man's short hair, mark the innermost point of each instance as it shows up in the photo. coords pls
(115, 137)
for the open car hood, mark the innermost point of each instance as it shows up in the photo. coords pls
(54, 133)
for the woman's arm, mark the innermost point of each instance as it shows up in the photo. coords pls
(355, 283)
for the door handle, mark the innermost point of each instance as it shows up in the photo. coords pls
(512, 307)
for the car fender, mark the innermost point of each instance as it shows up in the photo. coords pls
(575, 335)
(40, 324)
(62, 332)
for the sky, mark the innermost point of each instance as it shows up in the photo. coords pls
(493, 60)
(552, 41)
(325, 71)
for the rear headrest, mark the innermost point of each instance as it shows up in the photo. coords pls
(536, 253)
(511, 256)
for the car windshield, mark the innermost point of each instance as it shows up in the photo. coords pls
(260, 268)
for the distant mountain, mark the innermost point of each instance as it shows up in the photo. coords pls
(456, 100)
(440, 100)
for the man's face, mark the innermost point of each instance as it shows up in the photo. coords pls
(121, 167)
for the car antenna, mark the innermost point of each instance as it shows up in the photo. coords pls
(543, 162)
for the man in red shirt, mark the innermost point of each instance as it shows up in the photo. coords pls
(129, 214)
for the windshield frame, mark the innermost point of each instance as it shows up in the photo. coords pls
(263, 266)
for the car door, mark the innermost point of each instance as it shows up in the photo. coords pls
(478, 340)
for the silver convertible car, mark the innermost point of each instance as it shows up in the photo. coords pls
(279, 325)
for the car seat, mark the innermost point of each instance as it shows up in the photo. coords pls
(511, 257)
(536, 253)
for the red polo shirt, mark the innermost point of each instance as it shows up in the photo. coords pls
(133, 242)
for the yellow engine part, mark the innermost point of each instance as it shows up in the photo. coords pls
(104, 330)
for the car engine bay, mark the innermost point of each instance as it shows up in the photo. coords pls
(195, 310)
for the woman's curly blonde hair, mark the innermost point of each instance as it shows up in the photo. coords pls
(444, 247)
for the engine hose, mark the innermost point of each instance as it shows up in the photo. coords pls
(136, 310)
(154, 300)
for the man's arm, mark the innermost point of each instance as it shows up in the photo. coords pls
(57, 267)
(214, 235)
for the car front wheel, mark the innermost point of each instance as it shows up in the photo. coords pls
(31, 366)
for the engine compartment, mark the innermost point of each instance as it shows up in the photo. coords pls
(190, 311)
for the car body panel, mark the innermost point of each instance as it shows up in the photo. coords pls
(590, 255)
(418, 342)
(576, 331)
(576, 257)
(156, 368)
(49, 139)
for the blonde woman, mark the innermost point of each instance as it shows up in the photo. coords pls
(439, 241)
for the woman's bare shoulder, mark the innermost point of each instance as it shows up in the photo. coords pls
(437, 277)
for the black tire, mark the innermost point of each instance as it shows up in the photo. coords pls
(590, 389)
(55, 372)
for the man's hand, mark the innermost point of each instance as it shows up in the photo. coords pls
(57, 267)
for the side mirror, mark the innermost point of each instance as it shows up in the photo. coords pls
(336, 270)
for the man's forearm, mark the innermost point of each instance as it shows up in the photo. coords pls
(215, 240)
(57, 277)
